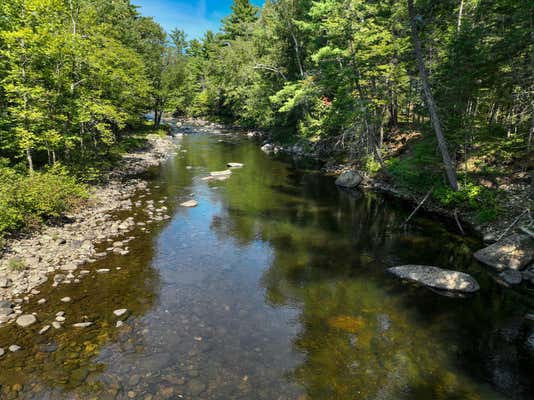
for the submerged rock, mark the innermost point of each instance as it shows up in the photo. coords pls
(190, 203)
(514, 252)
(82, 325)
(437, 278)
(349, 179)
(26, 320)
(221, 173)
(511, 277)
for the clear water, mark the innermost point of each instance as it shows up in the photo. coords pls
(274, 287)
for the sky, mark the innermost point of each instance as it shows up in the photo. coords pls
(195, 17)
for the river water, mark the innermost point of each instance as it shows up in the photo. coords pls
(274, 287)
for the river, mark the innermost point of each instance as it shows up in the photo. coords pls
(274, 287)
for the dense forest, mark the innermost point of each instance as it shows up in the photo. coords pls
(431, 95)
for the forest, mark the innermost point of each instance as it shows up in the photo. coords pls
(431, 96)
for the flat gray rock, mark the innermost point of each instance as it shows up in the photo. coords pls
(349, 179)
(26, 320)
(513, 252)
(437, 278)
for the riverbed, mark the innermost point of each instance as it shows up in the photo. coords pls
(273, 287)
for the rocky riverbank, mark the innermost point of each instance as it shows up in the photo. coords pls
(56, 252)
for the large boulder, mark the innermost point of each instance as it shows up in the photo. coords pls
(349, 179)
(514, 252)
(437, 278)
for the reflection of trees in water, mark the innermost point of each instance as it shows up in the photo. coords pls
(330, 249)
(64, 359)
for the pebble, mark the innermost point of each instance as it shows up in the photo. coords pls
(26, 320)
(121, 312)
(56, 325)
(119, 324)
(14, 348)
(41, 301)
(190, 203)
(2, 352)
(44, 329)
(102, 271)
(82, 325)
(66, 300)
(60, 314)
(60, 319)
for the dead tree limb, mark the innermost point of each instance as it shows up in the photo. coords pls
(418, 207)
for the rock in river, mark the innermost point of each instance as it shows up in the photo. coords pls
(235, 165)
(26, 320)
(511, 277)
(437, 278)
(514, 252)
(221, 173)
(349, 179)
(190, 203)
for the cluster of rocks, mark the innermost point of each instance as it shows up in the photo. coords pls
(511, 257)
(28, 262)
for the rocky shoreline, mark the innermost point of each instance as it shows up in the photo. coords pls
(56, 252)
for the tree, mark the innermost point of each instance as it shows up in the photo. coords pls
(237, 23)
(431, 104)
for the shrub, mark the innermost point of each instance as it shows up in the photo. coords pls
(37, 197)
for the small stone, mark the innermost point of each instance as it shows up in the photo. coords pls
(131, 395)
(56, 325)
(511, 277)
(58, 278)
(66, 300)
(41, 301)
(119, 324)
(82, 325)
(60, 314)
(60, 319)
(2, 352)
(14, 348)
(235, 165)
(26, 320)
(44, 329)
(5, 283)
(190, 203)
(102, 271)
(121, 312)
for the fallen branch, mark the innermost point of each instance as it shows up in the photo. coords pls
(418, 207)
(458, 222)
(527, 211)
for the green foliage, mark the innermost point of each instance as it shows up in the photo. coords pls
(26, 200)
(16, 264)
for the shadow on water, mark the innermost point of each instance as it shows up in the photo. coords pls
(274, 287)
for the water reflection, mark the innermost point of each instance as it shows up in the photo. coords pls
(274, 288)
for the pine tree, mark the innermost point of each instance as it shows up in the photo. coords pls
(236, 24)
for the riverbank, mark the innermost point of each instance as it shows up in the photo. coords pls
(30, 261)
(513, 201)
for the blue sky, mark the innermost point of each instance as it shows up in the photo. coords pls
(194, 17)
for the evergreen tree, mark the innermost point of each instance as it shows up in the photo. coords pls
(237, 23)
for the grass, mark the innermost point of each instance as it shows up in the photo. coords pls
(16, 264)
(420, 169)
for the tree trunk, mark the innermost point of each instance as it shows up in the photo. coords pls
(460, 15)
(30, 160)
(432, 108)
